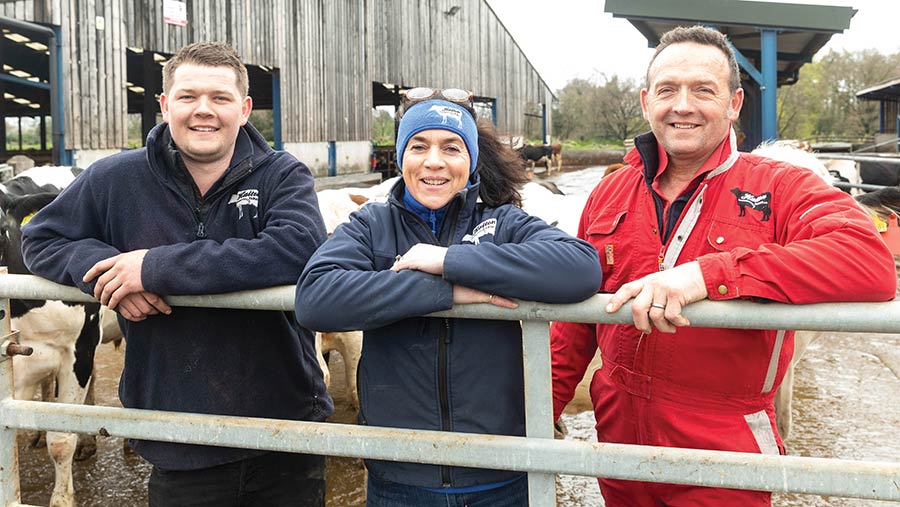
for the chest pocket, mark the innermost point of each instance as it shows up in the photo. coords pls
(726, 235)
(607, 233)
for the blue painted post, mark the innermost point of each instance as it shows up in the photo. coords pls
(62, 156)
(332, 158)
(769, 86)
(543, 123)
(494, 111)
(276, 109)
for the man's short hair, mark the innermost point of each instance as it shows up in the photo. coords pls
(208, 54)
(704, 36)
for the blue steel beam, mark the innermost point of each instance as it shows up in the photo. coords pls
(769, 85)
(745, 64)
(22, 81)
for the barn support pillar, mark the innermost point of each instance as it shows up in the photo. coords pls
(767, 80)
(544, 138)
(149, 105)
(332, 158)
(276, 109)
(769, 86)
(2, 114)
(54, 44)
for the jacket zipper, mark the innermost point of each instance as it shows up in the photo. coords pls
(202, 206)
(444, 389)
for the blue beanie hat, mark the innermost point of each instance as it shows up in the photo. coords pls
(438, 114)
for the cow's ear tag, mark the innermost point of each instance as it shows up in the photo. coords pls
(27, 218)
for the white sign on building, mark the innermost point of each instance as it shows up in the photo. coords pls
(175, 12)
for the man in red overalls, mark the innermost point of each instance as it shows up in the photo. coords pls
(691, 218)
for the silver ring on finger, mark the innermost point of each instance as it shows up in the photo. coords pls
(659, 306)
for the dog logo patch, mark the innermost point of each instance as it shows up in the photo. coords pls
(759, 202)
(448, 113)
(480, 230)
(248, 197)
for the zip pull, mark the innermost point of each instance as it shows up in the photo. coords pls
(447, 331)
(201, 230)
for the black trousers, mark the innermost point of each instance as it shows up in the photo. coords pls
(271, 480)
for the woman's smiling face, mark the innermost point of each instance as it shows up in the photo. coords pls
(435, 167)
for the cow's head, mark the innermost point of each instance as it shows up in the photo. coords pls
(13, 212)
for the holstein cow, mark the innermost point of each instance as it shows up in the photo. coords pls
(556, 155)
(336, 205)
(64, 336)
(536, 153)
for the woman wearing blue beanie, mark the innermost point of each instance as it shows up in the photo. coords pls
(451, 233)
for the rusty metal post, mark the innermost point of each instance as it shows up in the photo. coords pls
(9, 452)
(538, 404)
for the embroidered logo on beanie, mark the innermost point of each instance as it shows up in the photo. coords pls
(448, 112)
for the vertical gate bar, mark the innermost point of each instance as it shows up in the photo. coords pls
(538, 404)
(9, 453)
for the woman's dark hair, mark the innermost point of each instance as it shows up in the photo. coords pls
(502, 170)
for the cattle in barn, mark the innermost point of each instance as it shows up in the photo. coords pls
(336, 205)
(885, 172)
(562, 211)
(883, 200)
(349, 345)
(64, 336)
(556, 155)
(611, 168)
(537, 153)
(846, 171)
(884, 207)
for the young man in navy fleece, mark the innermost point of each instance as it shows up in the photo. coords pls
(206, 207)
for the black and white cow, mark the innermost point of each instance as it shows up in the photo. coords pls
(64, 336)
(536, 153)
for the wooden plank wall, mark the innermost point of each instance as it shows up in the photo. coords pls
(93, 66)
(455, 43)
(329, 53)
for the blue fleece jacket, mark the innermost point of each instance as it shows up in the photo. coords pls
(462, 375)
(256, 227)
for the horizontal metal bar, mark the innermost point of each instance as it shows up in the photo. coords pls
(860, 479)
(34, 287)
(848, 317)
(868, 157)
(862, 186)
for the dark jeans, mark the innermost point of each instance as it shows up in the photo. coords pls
(390, 494)
(272, 480)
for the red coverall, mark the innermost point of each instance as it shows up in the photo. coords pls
(759, 229)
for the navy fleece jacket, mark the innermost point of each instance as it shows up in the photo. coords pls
(256, 227)
(462, 375)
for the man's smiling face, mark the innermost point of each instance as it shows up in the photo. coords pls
(688, 101)
(204, 110)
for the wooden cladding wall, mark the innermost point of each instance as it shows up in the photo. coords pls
(455, 43)
(93, 59)
(328, 51)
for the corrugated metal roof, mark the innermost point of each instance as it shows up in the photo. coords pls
(888, 91)
(802, 29)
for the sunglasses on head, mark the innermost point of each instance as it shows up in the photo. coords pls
(456, 95)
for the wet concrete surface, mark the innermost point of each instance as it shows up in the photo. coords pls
(844, 406)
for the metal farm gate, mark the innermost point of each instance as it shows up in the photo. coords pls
(538, 454)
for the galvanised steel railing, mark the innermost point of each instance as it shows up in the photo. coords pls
(538, 454)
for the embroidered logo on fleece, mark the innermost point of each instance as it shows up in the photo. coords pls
(480, 230)
(448, 113)
(248, 197)
(759, 202)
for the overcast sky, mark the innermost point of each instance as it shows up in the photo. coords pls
(567, 39)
